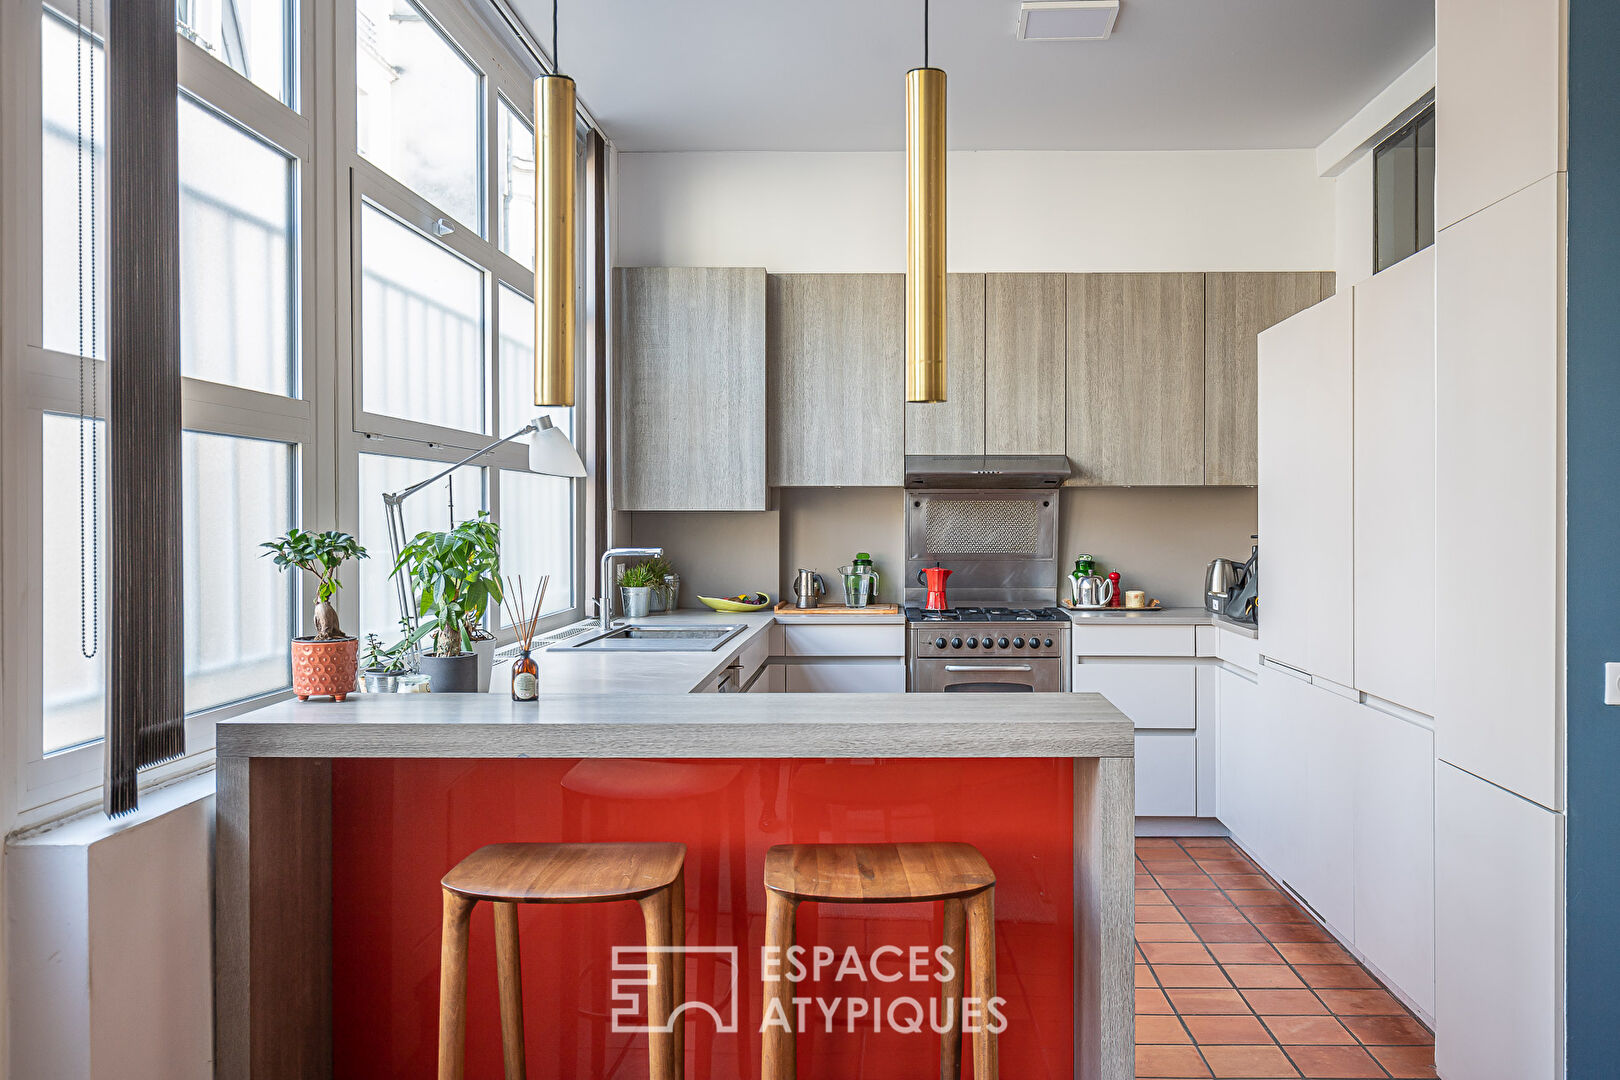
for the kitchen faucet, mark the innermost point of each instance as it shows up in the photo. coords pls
(604, 603)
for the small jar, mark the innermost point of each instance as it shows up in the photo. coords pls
(525, 678)
(415, 684)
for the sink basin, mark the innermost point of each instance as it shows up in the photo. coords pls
(698, 638)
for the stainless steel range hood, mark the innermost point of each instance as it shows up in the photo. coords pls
(978, 471)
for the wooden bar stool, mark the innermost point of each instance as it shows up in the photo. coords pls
(887, 874)
(653, 875)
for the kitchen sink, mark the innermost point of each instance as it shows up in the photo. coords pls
(697, 638)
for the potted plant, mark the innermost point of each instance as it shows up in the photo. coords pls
(636, 583)
(456, 574)
(325, 663)
(666, 592)
(384, 664)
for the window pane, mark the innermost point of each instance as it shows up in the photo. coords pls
(517, 186)
(537, 533)
(70, 63)
(74, 688)
(249, 35)
(237, 494)
(1425, 181)
(417, 107)
(517, 367)
(429, 508)
(236, 240)
(422, 339)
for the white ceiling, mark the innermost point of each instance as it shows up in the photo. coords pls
(829, 74)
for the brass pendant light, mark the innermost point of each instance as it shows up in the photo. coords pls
(925, 230)
(554, 248)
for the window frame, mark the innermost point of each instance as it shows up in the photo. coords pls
(1412, 128)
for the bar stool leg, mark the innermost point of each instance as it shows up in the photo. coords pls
(453, 987)
(655, 912)
(778, 1061)
(509, 974)
(677, 927)
(950, 994)
(981, 919)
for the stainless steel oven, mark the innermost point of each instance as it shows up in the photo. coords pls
(988, 657)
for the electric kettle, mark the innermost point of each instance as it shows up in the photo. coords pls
(935, 584)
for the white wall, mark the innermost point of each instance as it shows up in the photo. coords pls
(1353, 223)
(1009, 211)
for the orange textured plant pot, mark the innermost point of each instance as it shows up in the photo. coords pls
(324, 668)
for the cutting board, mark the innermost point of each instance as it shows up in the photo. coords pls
(787, 607)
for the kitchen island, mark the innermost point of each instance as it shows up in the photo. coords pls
(336, 821)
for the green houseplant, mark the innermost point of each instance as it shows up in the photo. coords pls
(325, 663)
(666, 584)
(455, 575)
(636, 584)
(382, 665)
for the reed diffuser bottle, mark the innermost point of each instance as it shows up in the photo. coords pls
(525, 678)
(525, 617)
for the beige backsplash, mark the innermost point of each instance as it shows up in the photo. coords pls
(1159, 539)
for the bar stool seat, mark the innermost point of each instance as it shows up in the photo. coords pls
(886, 874)
(505, 875)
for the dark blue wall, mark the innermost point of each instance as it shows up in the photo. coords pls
(1593, 957)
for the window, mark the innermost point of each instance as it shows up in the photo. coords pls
(74, 685)
(517, 185)
(253, 37)
(73, 68)
(1403, 192)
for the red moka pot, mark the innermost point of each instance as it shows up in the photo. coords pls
(935, 584)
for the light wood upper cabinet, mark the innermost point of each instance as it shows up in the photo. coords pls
(956, 425)
(1237, 307)
(689, 397)
(1136, 378)
(835, 360)
(1025, 377)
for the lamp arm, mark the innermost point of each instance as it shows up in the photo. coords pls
(399, 497)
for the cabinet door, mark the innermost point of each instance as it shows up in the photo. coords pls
(1153, 694)
(1307, 586)
(1394, 479)
(1136, 378)
(1237, 307)
(1166, 774)
(1395, 851)
(1024, 389)
(956, 425)
(835, 379)
(1327, 823)
(871, 677)
(1242, 755)
(689, 400)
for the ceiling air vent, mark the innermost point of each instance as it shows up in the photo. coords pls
(1066, 20)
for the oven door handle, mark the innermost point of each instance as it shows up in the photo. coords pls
(988, 667)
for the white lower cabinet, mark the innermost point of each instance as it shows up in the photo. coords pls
(1166, 774)
(870, 677)
(1323, 844)
(1154, 694)
(1242, 759)
(1497, 924)
(1394, 860)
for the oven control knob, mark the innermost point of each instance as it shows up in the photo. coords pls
(973, 643)
(1002, 643)
(939, 643)
(956, 643)
(989, 642)
(1047, 643)
(1018, 643)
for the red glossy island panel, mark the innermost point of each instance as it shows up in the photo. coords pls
(398, 825)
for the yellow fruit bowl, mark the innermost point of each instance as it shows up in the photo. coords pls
(734, 604)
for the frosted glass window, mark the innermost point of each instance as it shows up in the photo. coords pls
(69, 63)
(422, 334)
(537, 533)
(517, 185)
(236, 266)
(251, 36)
(418, 107)
(238, 606)
(517, 367)
(75, 688)
(430, 508)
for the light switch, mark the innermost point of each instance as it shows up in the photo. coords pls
(1611, 684)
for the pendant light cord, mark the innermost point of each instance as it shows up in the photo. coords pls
(556, 64)
(925, 33)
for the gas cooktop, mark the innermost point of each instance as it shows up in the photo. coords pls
(986, 615)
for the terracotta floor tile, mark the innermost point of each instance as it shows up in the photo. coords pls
(1183, 881)
(1152, 1003)
(1207, 843)
(1225, 866)
(1242, 881)
(1263, 977)
(1389, 1031)
(1198, 897)
(1241, 933)
(1212, 914)
(1227, 1030)
(1198, 975)
(1314, 953)
(1167, 865)
(1277, 913)
(1161, 1030)
(1144, 976)
(1176, 952)
(1176, 1061)
(1362, 1003)
(1339, 1062)
(1248, 1062)
(1158, 913)
(1157, 843)
(1245, 954)
(1309, 1031)
(1208, 1002)
(1165, 932)
(1406, 1061)
(1295, 932)
(1250, 897)
(1284, 1002)
(1151, 896)
(1337, 976)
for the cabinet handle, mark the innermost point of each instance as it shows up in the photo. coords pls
(988, 667)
